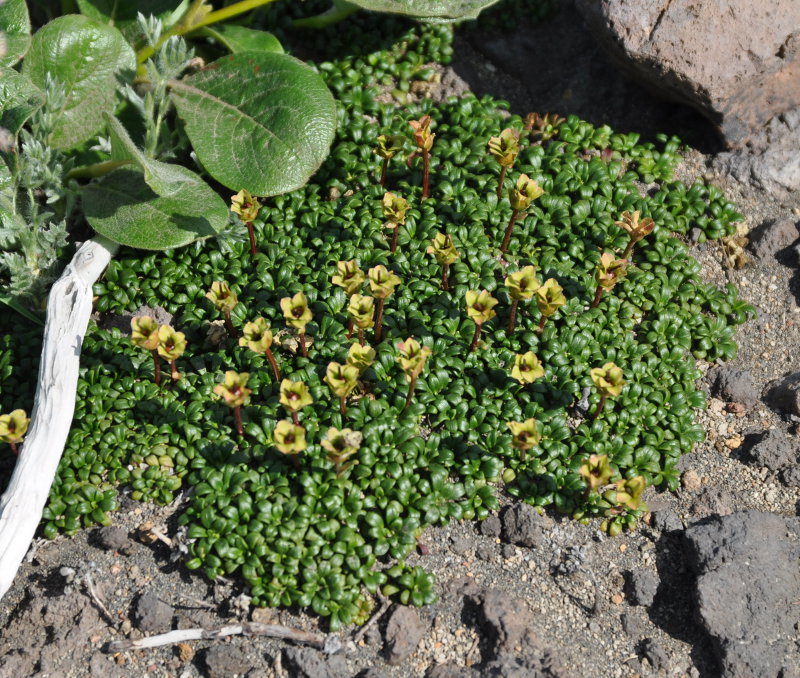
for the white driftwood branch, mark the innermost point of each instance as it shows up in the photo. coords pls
(245, 629)
(68, 309)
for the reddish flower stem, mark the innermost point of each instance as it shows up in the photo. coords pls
(540, 329)
(251, 233)
(445, 276)
(342, 406)
(272, 362)
(379, 320)
(509, 228)
(393, 247)
(229, 325)
(295, 419)
(501, 181)
(411, 386)
(475, 338)
(350, 328)
(295, 460)
(384, 170)
(512, 318)
(361, 336)
(237, 418)
(426, 161)
(303, 343)
(598, 293)
(156, 367)
(174, 368)
(14, 448)
(599, 407)
(628, 250)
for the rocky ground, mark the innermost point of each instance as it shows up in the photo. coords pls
(709, 586)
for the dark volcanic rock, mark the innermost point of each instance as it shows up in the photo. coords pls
(524, 525)
(503, 618)
(748, 584)
(666, 520)
(654, 653)
(448, 671)
(773, 236)
(491, 527)
(737, 62)
(712, 501)
(112, 538)
(734, 385)
(641, 587)
(223, 661)
(303, 662)
(153, 614)
(784, 393)
(404, 630)
(775, 450)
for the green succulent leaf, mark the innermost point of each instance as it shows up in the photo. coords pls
(242, 39)
(19, 98)
(123, 208)
(15, 25)
(89, 59)
(442, 11)
(257, 120)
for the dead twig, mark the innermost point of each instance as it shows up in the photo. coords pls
(245, 629)
(89, 584)
(385, 603)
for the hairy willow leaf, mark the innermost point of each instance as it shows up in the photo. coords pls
(122, 15)
(257, 120)
(15, 25)
(442, 11)
(19, 98)
(88, 58)
(123, 208)
(242, 39)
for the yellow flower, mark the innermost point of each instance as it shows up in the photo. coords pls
(144, 332)
(360, 357)
(289, 438)
(341, 445)
(550, 297)
(13, 426)
(222, 297)
(522, 284)
(525, 434)
(350, 277)
(341, 379)
(480, 305)
(597, 471)
(245, 205)
(610, 270)
(629, 492)
(505, 148)
(362, 310)
(234, 389)
(608, 379)
(296, 311)
(257, 336)
(413, 357)
(527, 368)
(382, 281)
(294, 395)
(394, 208)
(390, 145)
(524, 193)
(443, 249)
(423, 137)
(171, 344)
(636, 229)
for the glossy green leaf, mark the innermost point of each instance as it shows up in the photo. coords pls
(441, 11)
(15, 26)
(19, 98)
(259, 121)
(123, 208)
(242, 39)
(89, 59)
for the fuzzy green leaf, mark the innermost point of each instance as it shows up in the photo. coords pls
(242, 39)
(15, 25)
(257, 120)
(123, 208)
(89, 59)
(19, 98)
(122, 15)
(442, 11)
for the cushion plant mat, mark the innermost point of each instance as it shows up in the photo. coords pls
(306, 536)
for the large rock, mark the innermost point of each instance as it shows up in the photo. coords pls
(784, 393)
(737, 62)
(404, 631)
(748, 584)
(524, 525)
